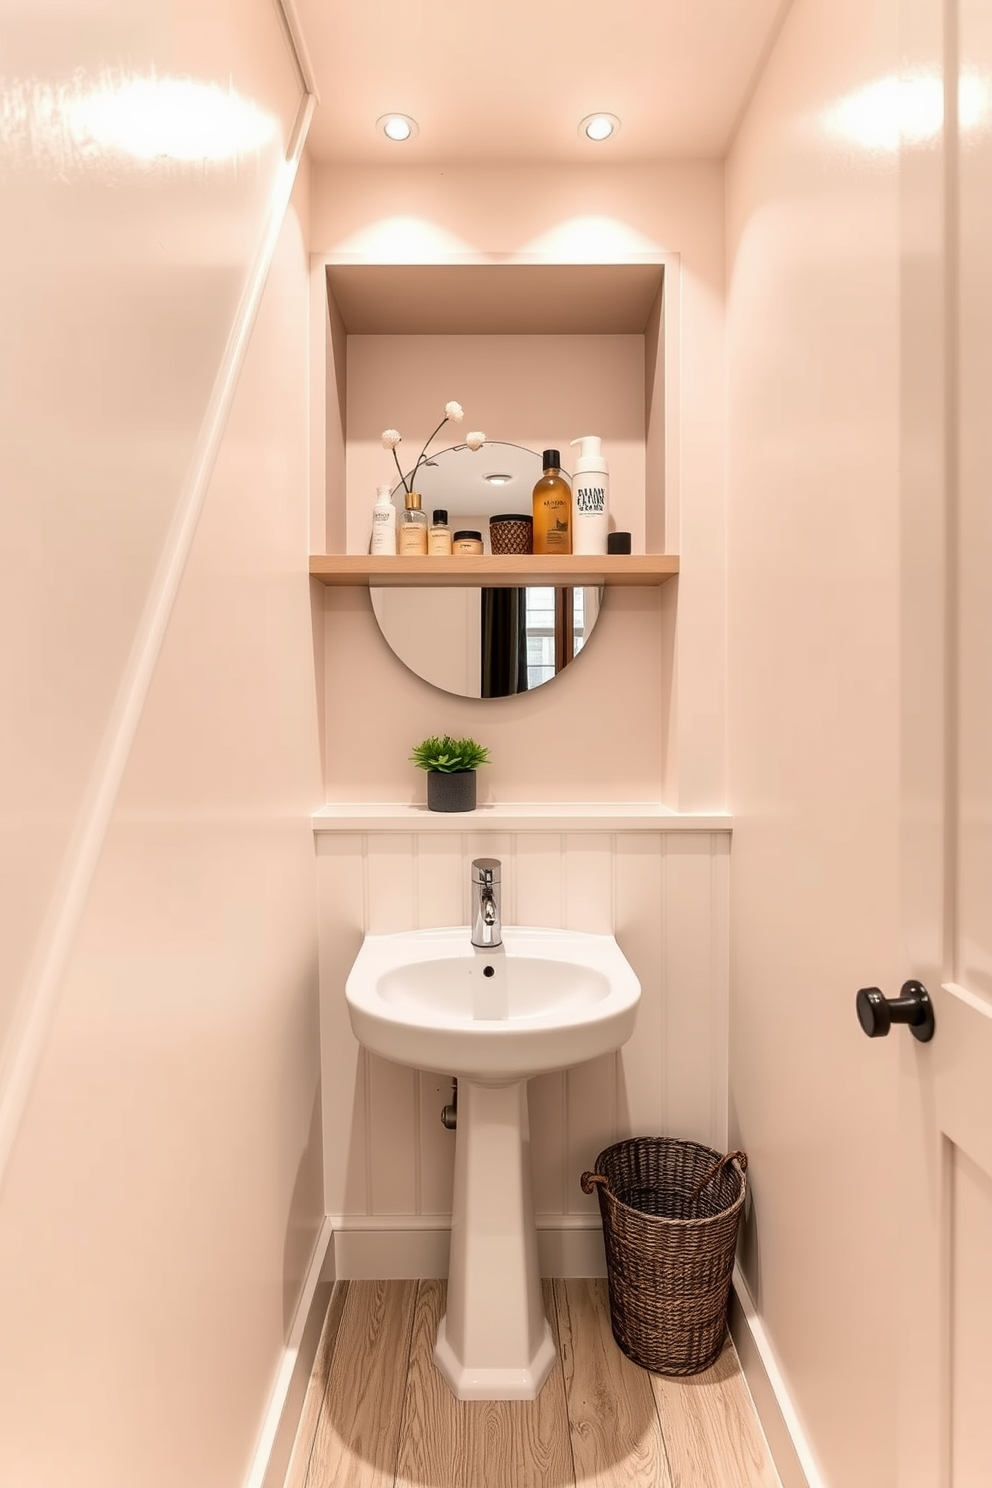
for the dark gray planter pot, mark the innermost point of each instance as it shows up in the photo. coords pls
(455, 792)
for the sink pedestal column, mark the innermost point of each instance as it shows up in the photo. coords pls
(494, 1342)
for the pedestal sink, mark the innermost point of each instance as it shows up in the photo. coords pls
(543, 1000)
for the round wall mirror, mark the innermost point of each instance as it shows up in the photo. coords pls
(484, 642)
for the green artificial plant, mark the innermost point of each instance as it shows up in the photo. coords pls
(449, 756)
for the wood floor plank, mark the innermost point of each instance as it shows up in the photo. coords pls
(449, 1443)
(313, 1401)
(357, 1438)
(711, 1431)
(616, 1435)
(378, 1413)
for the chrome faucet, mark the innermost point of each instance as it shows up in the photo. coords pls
(487, 929)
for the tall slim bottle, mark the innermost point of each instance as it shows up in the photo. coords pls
(552, 508)
(384, 524)
(591, 497)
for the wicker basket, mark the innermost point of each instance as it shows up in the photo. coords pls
(670, 1216)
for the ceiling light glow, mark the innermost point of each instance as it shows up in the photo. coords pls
(397, 127)
(599, 127)
(498, 479)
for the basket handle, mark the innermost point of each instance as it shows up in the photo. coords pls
(741, 1161)
(589, 1181)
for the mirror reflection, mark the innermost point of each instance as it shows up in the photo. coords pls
(480, 642)
(474, 485)
(487, 643)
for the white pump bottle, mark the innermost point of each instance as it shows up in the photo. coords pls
(383, 524)
(590, 497)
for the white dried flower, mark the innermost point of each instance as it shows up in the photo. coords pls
(454, 411)
(475, 440)
(391, 438)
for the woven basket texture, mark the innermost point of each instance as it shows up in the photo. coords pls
(511, 537)
(669, 1257)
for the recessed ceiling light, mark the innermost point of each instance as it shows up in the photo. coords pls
(599, 126)
(397, 127)
(498, 479)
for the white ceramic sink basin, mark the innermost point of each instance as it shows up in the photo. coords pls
(544, 1000)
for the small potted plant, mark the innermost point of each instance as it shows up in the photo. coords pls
(451, 765)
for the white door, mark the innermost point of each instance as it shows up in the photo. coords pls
(942, 1279)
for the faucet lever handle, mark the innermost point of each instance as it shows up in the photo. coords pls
(486, 871)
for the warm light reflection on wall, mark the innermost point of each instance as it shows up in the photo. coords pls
(906, 110)
(590, 240)
(404, 240)
(145, 118)
(413, 240)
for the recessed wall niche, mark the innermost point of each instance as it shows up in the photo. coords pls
(537, 354)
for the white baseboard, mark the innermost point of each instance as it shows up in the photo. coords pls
(408, 1247)
(779, 1419)
(270, 1461)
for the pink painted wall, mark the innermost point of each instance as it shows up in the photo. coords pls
(121, 271)
(537, 391)
(160, 1162)
(423, 215)
(813, 390)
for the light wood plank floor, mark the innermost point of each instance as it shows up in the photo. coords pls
(378, 1415)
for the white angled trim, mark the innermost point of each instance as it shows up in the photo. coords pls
(779, 1419)
(282, 1417)
(298, 48)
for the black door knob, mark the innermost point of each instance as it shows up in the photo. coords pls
(876, 1013)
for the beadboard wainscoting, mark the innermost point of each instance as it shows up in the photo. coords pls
(388, 1159)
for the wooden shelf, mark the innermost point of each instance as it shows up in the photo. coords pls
(360, 569)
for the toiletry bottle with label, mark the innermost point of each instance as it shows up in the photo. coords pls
(552, 508)
(383, 524)
(590, 497)
(439, 536)
(413, 528)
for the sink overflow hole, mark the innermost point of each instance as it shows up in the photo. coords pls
(489, 971)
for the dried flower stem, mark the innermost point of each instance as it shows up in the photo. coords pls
(392, 437)
(423, 452)
(400, 469)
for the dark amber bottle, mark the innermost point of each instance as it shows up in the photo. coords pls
(552, 508)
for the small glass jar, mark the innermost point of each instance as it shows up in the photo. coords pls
(467, 541)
